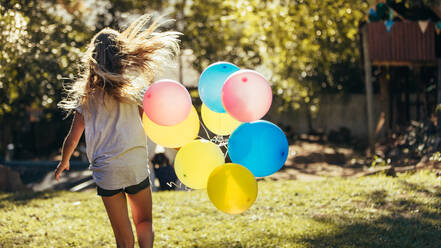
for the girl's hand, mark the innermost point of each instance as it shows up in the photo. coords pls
(60, 168)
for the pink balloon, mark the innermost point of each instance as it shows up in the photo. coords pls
(167, 102)
(246, 95)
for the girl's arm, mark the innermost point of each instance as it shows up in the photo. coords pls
(71, 141)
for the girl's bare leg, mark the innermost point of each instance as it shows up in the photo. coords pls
(141, 205)
(116, 207)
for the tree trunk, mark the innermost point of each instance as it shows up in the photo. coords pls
(369, 90)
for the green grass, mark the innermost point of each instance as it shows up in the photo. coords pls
(375, 211)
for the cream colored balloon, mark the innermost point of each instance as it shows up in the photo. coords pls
(219, 123)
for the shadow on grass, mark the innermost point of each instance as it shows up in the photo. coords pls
(390, 231)
(409, 223)
(420, 189)
(24, 197)
(405, 223)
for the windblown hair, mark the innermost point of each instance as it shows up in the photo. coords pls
(113, 59)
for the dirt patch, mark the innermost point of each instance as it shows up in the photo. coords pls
(310, 160)
(315, 160)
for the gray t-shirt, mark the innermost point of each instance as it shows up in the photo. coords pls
(116, 142)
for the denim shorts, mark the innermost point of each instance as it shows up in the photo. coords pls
(129, 190)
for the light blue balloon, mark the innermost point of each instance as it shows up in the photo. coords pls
(211, 82)
(260, 146)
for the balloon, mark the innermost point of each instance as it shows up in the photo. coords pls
(167, 102)
(218, 123)
(232, 188)
(260, 146)
(173, 136)
(210, 84)
(195, 161)
(246, 95)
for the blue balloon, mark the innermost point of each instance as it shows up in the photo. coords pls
(260, 146)
(211, 82)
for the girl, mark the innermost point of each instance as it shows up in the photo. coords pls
(108, 104)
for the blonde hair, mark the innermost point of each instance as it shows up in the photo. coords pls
(112, 58)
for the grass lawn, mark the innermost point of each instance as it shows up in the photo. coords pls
(375, 211)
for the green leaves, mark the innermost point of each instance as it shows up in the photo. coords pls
(304, 47)
(302, 43)
(40, 49)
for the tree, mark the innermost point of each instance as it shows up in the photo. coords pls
(304, 47)
(307, 46)
(40, 49)
(42, 43)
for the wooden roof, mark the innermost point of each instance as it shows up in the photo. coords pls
(405, 44)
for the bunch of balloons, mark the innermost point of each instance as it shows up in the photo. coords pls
(234, 101)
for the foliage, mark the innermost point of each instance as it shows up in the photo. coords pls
(416, 3)
(116, 12)
(305, 46)
(40, 49)
(409, 145)
(416, 10)
(375, 211)
(41, 45)
(202, 20)
(379, 161)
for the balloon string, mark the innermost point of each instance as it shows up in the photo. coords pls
(217, 139)
(170, 184)
(202, 124)
(180, 186)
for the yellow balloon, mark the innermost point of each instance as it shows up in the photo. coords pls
(219, 123)
(195, 161)
(173, 136)
(232, 188)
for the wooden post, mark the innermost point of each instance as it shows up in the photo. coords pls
(438, 100)
(385, 103)
(369, 90)
(420, 88)
(407, 99)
